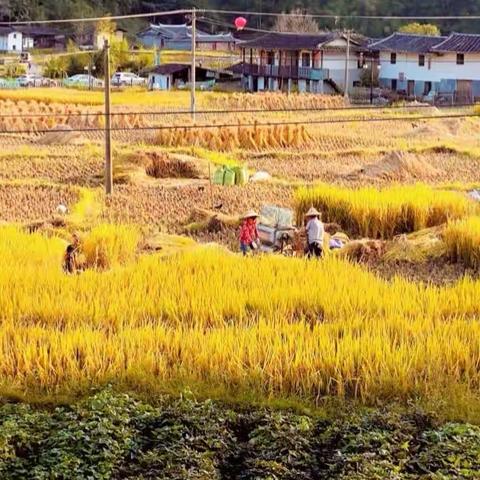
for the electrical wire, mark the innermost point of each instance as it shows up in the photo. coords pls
(240, 12)
(243, 125)
(351, 17)
(97, 19)
(235, 111)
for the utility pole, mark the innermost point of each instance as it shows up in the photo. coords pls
(193, 73)
(108, 131)
(347, 64)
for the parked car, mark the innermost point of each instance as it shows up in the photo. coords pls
(32, 80)
(83, 80)
(124, 79)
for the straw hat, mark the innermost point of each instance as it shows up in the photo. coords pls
(250, 214)
(313, 212)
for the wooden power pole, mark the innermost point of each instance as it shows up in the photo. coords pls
(108, 126)
(347, 66)
(193, 68)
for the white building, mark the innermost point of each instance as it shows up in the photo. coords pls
(11, 40)
(314, 63)
(421, 65)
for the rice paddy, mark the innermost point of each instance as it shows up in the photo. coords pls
(154, 312)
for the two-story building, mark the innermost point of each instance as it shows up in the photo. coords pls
(420, 65)
(316, 63)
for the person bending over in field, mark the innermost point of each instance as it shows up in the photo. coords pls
(315, 233)
(249, 238)
(70, 259)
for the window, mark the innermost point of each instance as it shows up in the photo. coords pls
(393, 58)
(394, 84)
(271, 58)
(305, 59)
(14, 35)
(360, 61)
(460, 59)
(421, 60)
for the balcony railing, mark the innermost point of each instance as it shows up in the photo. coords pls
(293, 72)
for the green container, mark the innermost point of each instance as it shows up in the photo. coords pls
(229, 177)
(218, 176)
(241, 175)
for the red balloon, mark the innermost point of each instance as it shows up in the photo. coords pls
(240, 23)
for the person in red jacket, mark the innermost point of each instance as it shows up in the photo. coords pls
(248, 232)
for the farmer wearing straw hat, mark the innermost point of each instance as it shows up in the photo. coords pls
(248, 232)
(315, 233)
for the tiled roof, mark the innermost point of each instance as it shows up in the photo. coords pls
(459, 42)
(407, 42)
(289, 41)
(184, 32)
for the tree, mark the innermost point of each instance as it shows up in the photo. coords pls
(421, 29)
(300, 22)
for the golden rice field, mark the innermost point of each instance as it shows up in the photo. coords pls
(384, 213)
(202, 318)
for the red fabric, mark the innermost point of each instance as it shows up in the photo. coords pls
(248, 232)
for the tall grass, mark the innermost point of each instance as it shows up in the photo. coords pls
(463, 241)
(375, 213)
(240, 325)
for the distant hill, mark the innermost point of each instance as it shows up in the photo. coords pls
(52, 9)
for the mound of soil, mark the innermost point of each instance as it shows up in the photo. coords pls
(398, 166)
(61, 135)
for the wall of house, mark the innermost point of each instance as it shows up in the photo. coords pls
(27, 43)
(441, 70)
(334, 62)
(3, 43)
(14, 42)
(159, 82)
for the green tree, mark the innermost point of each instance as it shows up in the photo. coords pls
(421, 29)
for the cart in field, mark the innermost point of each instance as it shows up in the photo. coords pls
(276, 230)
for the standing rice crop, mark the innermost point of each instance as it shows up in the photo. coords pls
(375, 213)
(463, 241)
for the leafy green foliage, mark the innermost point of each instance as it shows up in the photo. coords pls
(421, 29)
(112, 436)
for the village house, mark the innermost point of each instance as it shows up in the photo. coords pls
(314, 63)
(41, 37)
(11, 40)
(179, 37)
(93, 39)
(420, 65)
(177, 75)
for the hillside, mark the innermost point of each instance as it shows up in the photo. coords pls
(52, 9)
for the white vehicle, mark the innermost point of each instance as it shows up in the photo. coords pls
(32, 80)
(83, 80)
(123, 79)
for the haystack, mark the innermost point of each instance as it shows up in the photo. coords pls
(61, 135)
(399, 166)
(363, 251)
(162, 165)
(416, 248)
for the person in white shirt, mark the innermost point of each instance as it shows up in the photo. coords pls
(315, 233)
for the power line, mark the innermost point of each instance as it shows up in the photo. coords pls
(240, 12)
(235, 111)
(351, 17)
(97, 19)
(244, 125)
